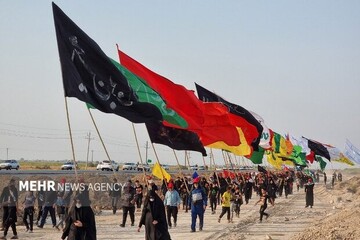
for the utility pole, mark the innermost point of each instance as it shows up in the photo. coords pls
(146, 152)
(88, 148)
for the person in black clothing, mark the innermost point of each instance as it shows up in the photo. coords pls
(80, 223)
(49, 207)
(115, 194)
(271, 189)
(263, 203)
(138, 194)
(340, 177)
(9, 202)
(248, 190)
(153, 218)
(177, 184)
(128, 203)
(29, 210)
(40, 196)
(184, 195)
(309, 190)
(213, 196)
(325, 178)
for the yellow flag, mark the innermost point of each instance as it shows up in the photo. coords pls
(276, 161)
(160, 172)
(241, 150)
(343, 159)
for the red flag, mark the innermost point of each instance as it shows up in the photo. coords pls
(210, 121)
(226, 173)
(311, 157)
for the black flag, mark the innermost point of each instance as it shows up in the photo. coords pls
(318, 149)
(175, 138)
(262, 169)
(90, 76)
(208, 96)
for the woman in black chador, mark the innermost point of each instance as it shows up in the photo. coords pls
(153, 217)
(80, 223)
(309, 190)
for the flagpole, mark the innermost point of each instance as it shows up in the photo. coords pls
(235, 169)
(188, 161)
(158, 161)
(204, 162)
(216, 174)
(71, 139)
(181, 173)
(102, 142)
(226, 164)
(137, 144)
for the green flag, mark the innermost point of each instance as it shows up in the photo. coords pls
(322, 163)
(148, 95)
(257, 156)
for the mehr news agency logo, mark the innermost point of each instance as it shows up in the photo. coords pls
(51, 185)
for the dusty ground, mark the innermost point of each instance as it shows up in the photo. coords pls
(334, 216)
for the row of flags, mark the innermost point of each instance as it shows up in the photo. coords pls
(174, 115)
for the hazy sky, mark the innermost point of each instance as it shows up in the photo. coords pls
(295, 63)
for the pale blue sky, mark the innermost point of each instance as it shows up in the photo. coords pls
(295, 63)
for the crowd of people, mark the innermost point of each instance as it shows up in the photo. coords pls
(71, 212)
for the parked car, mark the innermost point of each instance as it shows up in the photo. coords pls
(194, 168)
(107, 165)
(9, 164)
(141, 167)
(165, 167)
(68, 166)
(129, 166)
(202, 168)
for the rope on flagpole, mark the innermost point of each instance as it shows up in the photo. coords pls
(71, 140)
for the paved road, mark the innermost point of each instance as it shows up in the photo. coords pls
(288, 217)
(59, 172)
(68, 172)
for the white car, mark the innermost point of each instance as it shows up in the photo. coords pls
(10, 164)
(68, 166)
(107, 165)
(141, 167)
(165, 167)
(194, 168)
(129, 166)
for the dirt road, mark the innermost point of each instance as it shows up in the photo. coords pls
(287, 218)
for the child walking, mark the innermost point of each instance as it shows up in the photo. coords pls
(263, 203)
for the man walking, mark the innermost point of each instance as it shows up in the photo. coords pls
(198, 203)
(9, 202)
(128, 203)
(115, 194)
(49, 207)
(172, 202)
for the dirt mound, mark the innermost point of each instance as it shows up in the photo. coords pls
(344, 224)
